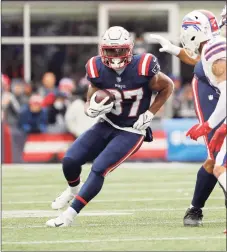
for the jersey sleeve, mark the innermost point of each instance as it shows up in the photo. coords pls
(148, 65)
(215, 51)
(92, 72)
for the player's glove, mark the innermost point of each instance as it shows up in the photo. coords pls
(167, 46)
(218, 138)
(95, 109)
(144, 121)
(199, 130)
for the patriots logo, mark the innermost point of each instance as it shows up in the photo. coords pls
(118, 79)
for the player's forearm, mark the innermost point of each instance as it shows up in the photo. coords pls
(184, 57)
(220, 111)
(161, 98)
(91, 90)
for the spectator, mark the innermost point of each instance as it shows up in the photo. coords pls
(82, 86)
(33, 118)
(66, 86)
(76, 120)
(48, 82)
(17, 87)
(56, 114)
(27, 91)
(5, 83)
(184, 104)
(177, 84)
(10, 104)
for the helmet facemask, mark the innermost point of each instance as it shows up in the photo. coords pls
(116, 57)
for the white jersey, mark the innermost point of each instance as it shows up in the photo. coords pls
(213, 50)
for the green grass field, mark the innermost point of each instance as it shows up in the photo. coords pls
(138, 209)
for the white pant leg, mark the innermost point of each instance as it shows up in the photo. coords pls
(221, 156)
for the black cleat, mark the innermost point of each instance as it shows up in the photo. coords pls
(193, 217)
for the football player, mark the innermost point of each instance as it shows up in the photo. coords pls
(124, 123)
(198, 28)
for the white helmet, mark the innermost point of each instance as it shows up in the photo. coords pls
(116, 47)
(198, 26)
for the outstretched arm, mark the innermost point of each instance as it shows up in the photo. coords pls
(177, 51)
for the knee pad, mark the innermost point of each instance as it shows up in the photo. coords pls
(71, 168)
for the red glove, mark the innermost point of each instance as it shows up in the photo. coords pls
(199, 130)
(218, 138)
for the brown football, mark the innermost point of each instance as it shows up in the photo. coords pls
(102, 94)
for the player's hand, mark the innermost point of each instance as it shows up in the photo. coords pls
(144, 121)
(199, 130)
(95, 109)
(167, 46)
(218, 138)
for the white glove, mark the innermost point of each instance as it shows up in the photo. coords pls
(144, 121)
(95, 109)
(167, 46)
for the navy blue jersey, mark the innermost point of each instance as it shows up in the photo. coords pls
(130, 88)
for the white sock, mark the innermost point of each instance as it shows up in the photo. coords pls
(74, 189)
(70, 212)
(222, 180)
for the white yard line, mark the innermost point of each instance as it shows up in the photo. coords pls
(114, 225)
(45, 213)
(128, 165)
(52, 213)
(109, 200)
(108, 184)
(104, 191)
(132, 239)
(111, 191)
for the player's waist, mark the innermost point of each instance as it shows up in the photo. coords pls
(127, 128)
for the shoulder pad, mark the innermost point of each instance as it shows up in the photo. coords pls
(148, 65)
(144, 64)
(92, 68)
(215, 48)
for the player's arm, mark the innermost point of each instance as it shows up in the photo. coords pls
(177, 51)
(91, 90)
(219, 71)
(184, 57)
(164, 86)
(94, 109)
(216, 117)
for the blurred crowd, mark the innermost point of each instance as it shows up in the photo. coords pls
(58, 107)
(48, 108)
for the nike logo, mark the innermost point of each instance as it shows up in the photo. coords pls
(58, 225)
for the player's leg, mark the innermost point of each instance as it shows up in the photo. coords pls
(205, 181)
(220, 167)
(123, 145)
(85, 148)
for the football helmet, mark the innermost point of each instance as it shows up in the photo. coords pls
(223, 20)
(198, 26)
(116, 47)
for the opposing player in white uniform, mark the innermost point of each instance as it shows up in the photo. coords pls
(197, 34)
(214, 64)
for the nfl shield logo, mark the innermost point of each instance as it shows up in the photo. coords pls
(118, 79)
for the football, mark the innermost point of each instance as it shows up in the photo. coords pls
(102, 94)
